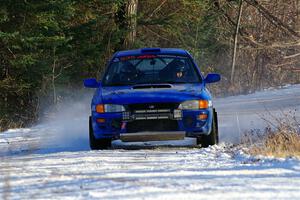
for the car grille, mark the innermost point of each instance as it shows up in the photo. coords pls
(152, 114)
(150, 111)
(152, 125)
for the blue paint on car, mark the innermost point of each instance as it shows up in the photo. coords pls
(156, 81)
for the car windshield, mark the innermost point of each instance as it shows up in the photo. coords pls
(150, 69)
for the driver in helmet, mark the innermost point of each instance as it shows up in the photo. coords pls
(129, 72)
(180, 70)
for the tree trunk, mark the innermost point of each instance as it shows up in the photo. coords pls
(53, 76)
(298, 17)
(131, 17)
(236, 41)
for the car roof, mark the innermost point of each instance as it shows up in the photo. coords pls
(156, 51)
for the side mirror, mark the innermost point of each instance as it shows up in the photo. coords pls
(212, 78)
(91, 83)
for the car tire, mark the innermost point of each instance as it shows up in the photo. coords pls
(97, 144)
(213, 137)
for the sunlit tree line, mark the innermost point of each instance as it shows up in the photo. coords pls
(53, 44)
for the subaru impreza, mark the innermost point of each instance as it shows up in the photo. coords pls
(152, 94)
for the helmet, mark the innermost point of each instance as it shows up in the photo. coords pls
(179, 67)
(128, 72)
(128, 68)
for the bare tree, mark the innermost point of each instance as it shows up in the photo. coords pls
(273, 19)
(131, 17)
(53, 76)
(236, 40)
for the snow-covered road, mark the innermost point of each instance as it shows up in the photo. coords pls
(52, 160)
(213, 173)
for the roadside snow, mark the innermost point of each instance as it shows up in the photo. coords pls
(217, 172)
(52, 160)
(238, 114)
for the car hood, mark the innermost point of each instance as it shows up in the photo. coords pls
(129, 95)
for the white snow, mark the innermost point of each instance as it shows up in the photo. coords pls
(163, 173)
(52, 160)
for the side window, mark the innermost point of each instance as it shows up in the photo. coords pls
(113, 69)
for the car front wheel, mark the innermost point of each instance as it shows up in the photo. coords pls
(97, 144)
(213, 137)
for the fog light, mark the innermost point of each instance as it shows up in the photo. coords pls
(177, 114)
(202, 116)
(100, 120)
(126, 116)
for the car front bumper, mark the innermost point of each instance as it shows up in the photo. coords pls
(115, 124)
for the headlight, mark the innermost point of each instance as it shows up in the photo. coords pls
(195, 105)
(103, 108)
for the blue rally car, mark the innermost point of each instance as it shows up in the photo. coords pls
(152, 94)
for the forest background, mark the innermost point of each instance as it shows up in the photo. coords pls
(47, 47)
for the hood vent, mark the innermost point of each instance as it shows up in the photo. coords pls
(151, 86)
